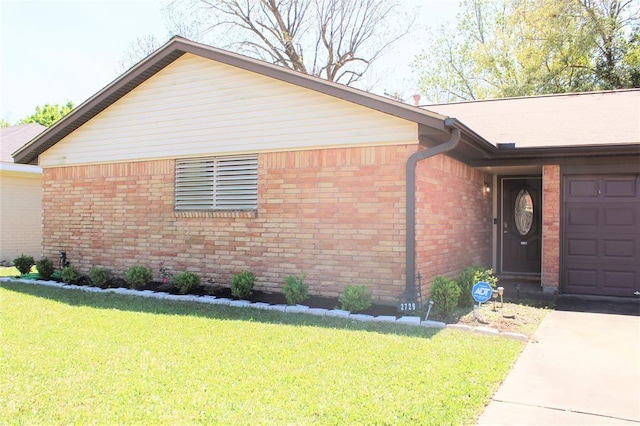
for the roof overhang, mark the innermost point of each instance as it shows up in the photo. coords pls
(178, 46)
(473, 149)
(556, 155)
(477, 152)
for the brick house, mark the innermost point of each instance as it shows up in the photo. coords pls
(214, 162)
(579, 157)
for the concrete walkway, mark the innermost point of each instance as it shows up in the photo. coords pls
(580, 369)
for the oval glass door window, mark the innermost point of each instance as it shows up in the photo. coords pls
(524, 212)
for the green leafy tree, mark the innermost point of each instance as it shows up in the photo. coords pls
(4, 123)
(48, 114)
(614, 26)
(503, 48)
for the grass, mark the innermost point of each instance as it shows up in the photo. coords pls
(74, 357)
(12, 271)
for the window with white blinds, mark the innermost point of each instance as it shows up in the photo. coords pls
(217, 183)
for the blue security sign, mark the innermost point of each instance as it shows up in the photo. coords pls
(481, 292)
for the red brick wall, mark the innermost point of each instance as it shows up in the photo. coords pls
(551, 227)
(112, 215)
(454, 218)
(336, 215)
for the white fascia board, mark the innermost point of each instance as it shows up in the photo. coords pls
(20, 168)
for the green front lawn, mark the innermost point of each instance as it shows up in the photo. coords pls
(74, 357)
(12, 271)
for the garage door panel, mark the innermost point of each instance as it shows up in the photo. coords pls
(620, 249)
(601, 234)
(589, 280)
(620, 187)
(582, 247)
(583, 216)
(582, 279)
(620, 216)
(580, 216)
(582, 187)
(620, 280)
(615, 249)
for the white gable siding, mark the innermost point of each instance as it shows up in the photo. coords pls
(197, 106)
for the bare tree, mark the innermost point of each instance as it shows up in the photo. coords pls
(337, 40)
(270, 30)
(138, 50)
(180, 22)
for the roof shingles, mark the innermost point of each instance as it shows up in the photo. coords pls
(15, 137)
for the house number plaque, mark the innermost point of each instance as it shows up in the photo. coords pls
(407, 306)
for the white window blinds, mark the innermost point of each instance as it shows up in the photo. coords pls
(217, 183)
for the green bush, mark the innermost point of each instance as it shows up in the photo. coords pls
(23, 263)
(45, 268)
(295, 289)
(242, 284)
(355, 298)
(466, 282)
(445, 294)
(70, 275)
(487, 276)
(186, 281)
(138, 276)
(100, 277)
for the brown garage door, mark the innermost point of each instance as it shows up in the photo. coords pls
(601, 234)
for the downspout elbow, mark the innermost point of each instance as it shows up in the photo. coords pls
(451, 144)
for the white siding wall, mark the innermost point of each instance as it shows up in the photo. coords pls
(196, 106)
(20, 215)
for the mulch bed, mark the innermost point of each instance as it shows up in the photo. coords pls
(256, 296)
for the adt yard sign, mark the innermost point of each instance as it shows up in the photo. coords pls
(481, 292)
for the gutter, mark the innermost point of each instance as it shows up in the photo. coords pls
(451, 144)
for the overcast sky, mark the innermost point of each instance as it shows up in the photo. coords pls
(57, 51)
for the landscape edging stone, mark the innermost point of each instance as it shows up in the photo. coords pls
(406, 320)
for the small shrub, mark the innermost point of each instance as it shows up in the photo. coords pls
(70, 275)
(23, 263)
(355, 298)
(186, 281)
(242, 284)
(100, 277)
(295, 289)
(466, 282)
(45, 268)
(445, 294)
(138, 276)
(487, 276)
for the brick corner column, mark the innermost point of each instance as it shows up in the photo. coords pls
(551, 199)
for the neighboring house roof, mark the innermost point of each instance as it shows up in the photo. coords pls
(574, 119)
(13, 138)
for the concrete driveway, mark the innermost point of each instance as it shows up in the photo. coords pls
(581, 369)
